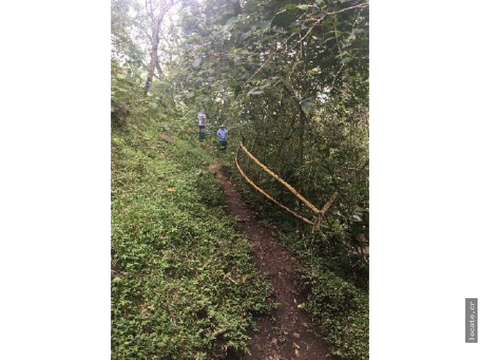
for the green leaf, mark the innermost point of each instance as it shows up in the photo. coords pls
(251, 6)
(307, 106)
(264, 25)
(283, 19)
(289, 7)
(225, 18)
(231, 21)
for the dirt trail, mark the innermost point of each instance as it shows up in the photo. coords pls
(288, 334)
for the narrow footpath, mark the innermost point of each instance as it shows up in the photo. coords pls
(288, 334)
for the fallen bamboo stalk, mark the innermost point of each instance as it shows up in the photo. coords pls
(329, 202)
(268, 196)
(283, 182)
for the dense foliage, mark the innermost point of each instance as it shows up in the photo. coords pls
(180, 270)
(290, 77)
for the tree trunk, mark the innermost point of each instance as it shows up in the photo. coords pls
(153, 58)
(155, 40)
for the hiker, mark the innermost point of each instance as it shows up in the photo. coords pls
(222, 137)
(202, 120)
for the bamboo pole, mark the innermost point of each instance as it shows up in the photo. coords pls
(283, 182)
(320, 215)
(329, 202)
(268, 196)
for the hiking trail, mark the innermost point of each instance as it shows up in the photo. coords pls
(288, 334)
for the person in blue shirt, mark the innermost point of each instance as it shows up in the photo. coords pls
(222, 137)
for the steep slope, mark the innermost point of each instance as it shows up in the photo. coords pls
(183, 282)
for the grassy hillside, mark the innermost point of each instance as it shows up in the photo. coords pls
(180, 269)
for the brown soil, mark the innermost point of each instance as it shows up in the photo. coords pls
(288, 333)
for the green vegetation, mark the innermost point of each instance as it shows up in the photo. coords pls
(339, 309)
(292, 79)
(180, 270)
(334, 280)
